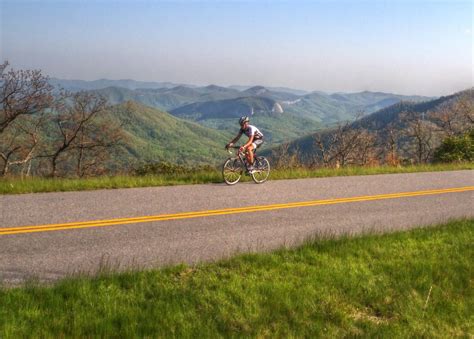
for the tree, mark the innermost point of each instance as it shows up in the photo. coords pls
(390, 136)
(465, 106)
(345, 141)
(83, 134)
(455, 117)
(94, 144)
(22, 142)
(325, 153)
(346, 144)
(365, 150)
(420, 134)
(285, 159)
(23, 92)
(64, 132)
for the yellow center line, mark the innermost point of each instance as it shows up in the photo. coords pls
(199, 214)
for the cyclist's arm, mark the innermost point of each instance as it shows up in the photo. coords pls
(236, 138)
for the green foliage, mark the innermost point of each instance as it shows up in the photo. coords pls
(407, 284)
(456, 148)
(154, 135)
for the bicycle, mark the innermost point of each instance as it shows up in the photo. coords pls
(233, 168)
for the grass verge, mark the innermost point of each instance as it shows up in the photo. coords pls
(14, 185)
(416, 283)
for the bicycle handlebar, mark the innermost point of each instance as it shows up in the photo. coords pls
(235, 147)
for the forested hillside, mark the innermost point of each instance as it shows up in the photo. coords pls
(404, 132)
(154, 135)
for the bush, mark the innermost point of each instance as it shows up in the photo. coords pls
(458, 148)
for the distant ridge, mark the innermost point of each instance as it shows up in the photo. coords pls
(79, 85)
(229, 108)
(285, 114)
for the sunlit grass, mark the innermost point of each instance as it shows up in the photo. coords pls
(406, 284)
(13, 185)
(296, 173)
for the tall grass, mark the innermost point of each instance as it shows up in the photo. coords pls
(407, 284)
(14, 185)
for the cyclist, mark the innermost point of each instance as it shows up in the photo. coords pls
(254, 142)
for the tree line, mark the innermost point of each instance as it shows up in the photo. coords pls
(50, 132)
(442, 134)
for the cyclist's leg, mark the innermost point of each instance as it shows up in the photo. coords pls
(250, 153)
(256, 144)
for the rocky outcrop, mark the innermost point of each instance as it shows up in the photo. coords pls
(277, 108)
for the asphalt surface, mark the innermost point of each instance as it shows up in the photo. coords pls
(55, 254)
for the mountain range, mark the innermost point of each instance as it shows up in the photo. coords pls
(187, 124)
(282, 113)
(84, 85)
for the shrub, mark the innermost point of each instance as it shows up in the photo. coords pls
(457, 148)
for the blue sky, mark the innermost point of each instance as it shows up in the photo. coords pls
(408, 47)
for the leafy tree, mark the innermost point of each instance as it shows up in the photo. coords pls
(456, 148)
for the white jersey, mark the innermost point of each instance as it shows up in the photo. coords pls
(251, 130)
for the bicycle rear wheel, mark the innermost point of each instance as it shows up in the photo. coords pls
(262, 170)
(232, 171)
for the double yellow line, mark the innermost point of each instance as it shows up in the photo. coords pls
(200, 214)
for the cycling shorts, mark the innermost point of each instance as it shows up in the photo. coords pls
(257, 143)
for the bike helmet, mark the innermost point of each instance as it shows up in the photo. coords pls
(243, 120)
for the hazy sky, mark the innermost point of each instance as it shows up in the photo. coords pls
(407, 47)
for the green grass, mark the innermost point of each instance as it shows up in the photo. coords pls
(299, 173)
(407, 284)
(15, 185)
(34, 184)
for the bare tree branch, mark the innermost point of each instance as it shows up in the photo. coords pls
(23, 92)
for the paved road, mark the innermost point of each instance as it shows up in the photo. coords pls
(290, 211)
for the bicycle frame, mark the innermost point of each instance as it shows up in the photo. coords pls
(242, 156)
(258, 174)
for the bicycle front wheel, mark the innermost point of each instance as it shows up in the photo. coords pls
(232, 171)
(262, 170)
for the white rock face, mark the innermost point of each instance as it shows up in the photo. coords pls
(290, 102)
(277, 108)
